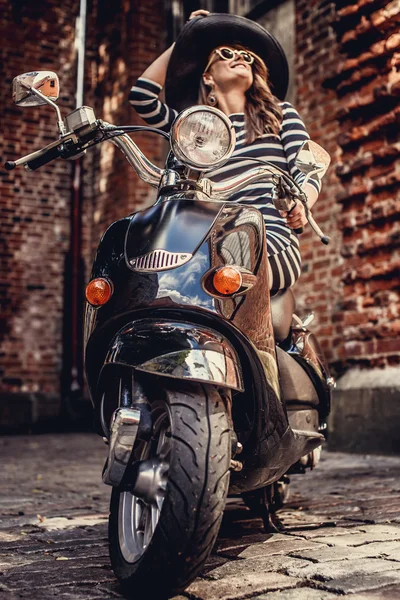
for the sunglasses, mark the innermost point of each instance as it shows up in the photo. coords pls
(227, 53)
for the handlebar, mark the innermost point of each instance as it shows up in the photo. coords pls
(47, 157)
(37, 159)
(143, 166)
(291, 192)
(224, 189)
(69, 145)
(299, 230)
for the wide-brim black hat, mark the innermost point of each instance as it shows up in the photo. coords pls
(197, 40)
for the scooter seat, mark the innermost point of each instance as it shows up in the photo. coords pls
(282, 309)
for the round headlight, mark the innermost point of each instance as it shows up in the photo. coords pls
(202, 137)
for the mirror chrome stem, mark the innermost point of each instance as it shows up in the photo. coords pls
(310, 174)
(224, 189)
(60, 123)
(144, 168)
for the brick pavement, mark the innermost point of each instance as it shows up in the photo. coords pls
(342, 533)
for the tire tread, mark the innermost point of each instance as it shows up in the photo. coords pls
(196, 493)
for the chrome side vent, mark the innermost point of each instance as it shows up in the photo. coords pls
(159, 260)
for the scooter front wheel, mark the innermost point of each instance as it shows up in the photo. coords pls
(161, 535)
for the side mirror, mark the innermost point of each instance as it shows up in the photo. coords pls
(35, 88)
(312, 160)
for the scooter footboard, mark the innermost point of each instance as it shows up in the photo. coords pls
(267, 468)
(178, 350)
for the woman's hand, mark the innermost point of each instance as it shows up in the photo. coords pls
(296, 217)
(199, 13)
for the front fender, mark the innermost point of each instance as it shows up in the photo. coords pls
(180, 350)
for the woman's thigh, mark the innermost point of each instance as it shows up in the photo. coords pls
(284, 268)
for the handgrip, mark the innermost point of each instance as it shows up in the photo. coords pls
(43, 160)
(299, 230)
(10, 165)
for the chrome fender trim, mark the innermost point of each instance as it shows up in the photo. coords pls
(177, 349)
(214, 367)
(123, 432)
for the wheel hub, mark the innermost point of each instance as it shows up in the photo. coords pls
(151, 480)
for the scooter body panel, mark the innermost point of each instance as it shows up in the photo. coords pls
(228, 234)
(235, 236)
(306, 351)
(176, 223)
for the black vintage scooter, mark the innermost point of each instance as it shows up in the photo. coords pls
(202, 386)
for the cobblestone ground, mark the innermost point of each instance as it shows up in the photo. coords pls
(342, 530)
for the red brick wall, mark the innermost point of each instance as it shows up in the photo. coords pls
(348, 92)
(34, 207)
(368, 111)
(123, 37)
(319, 288)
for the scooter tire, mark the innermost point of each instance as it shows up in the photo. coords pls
(192, 509)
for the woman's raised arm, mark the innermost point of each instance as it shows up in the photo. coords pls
(158, 69)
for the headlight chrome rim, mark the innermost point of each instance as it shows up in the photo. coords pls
(178, 151)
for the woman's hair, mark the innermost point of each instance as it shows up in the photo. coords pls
(263, 113)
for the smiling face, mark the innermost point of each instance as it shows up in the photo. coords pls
(226, 74)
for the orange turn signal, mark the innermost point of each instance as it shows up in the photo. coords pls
(227, 280)
(99, 291)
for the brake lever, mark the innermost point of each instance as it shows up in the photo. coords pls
(304, 200)
(285, 197)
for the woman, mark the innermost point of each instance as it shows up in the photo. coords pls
(222, 60)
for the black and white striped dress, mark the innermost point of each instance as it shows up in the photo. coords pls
(282, 242)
